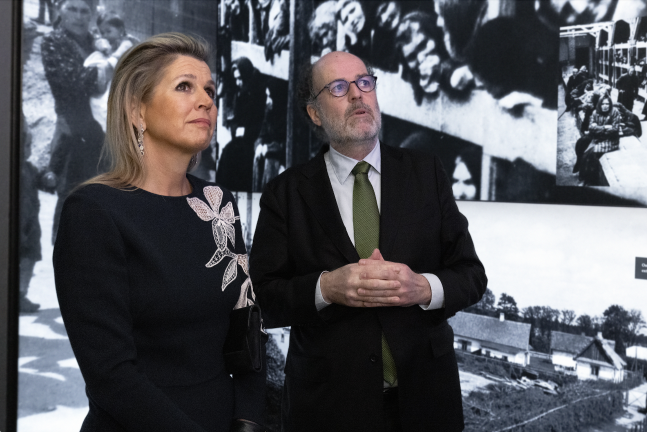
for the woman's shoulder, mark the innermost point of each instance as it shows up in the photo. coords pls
(201, 186)
(99, 196)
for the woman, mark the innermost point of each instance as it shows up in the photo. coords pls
(78, 137)
(269, 153)
(467, 174)
(357, 31)
(144, 291)
(604, 127)
(244, 119)
(384, 53)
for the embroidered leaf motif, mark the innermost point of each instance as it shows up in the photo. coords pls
(219, 256)
(243, 261)
(230, 232)
(230, 273)
(243, 300)
(214, 197)
(203, 211)
(227, 213)
(219, 234)
(222, 227)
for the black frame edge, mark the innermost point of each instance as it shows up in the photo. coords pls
(10, 99)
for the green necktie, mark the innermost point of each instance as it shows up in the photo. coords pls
(366, 227)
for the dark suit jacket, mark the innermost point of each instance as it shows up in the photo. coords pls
(334, 365)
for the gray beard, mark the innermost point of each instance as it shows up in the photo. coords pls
(342, 137)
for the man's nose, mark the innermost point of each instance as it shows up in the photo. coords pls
(354, 92)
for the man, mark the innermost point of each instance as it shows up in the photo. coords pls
(580, 76)
(370, 347)
(627, 86)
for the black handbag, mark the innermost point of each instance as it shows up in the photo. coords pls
(244, 348)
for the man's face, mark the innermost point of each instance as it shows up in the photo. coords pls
(351, 118)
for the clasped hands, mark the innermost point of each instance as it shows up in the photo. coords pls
(374, 282)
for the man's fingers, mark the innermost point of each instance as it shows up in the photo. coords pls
(376, 255)
(381, 302)
(378, 284)
(382, 271)
(362, 293)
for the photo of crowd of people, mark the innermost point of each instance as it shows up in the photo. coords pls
(602, 108)
(446, 61)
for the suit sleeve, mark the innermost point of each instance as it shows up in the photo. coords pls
(249, 389)
(93, 293)
(462, 274)
(286, 299)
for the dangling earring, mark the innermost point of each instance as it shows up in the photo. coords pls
(140, 139)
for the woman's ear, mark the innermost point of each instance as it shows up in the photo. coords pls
(314, 115)
(138, 114)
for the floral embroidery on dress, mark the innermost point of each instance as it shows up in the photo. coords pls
(222, 225)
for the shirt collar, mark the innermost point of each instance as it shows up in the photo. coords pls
(343, 165)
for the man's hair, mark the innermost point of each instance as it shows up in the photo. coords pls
(306, 96)
(136, 76)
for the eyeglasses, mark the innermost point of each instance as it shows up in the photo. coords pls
(340, 87)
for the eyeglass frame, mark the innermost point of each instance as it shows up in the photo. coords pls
(327, 86)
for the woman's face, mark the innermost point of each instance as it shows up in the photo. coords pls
(352, 17)
(605, 105)
(462, 182)
(180, 117)
(238, 78)
(75, 16)
(390, 16)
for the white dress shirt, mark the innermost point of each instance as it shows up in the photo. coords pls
(340, 169)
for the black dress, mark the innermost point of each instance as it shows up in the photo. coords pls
(145, 284)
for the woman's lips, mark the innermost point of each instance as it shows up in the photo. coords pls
(202, 121)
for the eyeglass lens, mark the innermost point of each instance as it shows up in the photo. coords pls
(340, 87)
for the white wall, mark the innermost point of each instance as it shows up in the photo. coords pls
(563, 359)
(567, 257)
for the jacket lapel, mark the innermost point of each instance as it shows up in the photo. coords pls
(318, 195)
(395, 178)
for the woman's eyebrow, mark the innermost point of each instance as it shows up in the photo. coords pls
(193, 77)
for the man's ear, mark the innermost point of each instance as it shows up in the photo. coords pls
(314, 115)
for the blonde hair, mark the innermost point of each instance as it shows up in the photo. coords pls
(134, 81)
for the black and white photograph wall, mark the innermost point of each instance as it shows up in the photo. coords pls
(466, 80)
(510, 94)
(602, 107)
